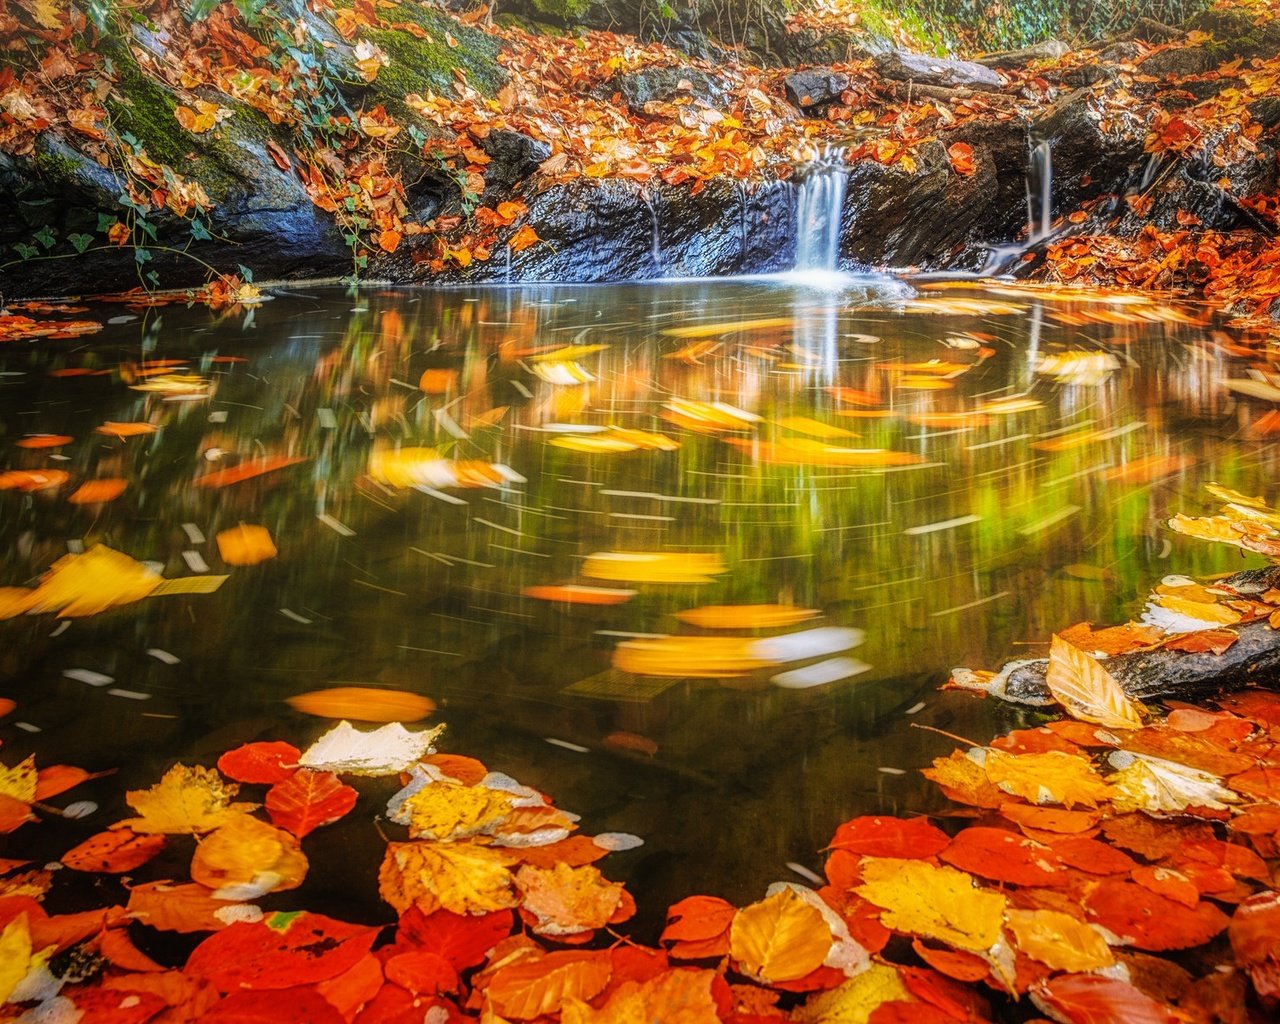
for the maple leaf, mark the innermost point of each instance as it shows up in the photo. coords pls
(567, 900)
(1159, 786)
(941, 903)
(780, 938)
(1058, 940)
(680, 996)
(186, 799)
(1087, 690)
(245, 858)
(460, 877)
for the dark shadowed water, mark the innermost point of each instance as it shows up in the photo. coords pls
(1039, 446)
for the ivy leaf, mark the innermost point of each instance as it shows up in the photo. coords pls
(80, 242)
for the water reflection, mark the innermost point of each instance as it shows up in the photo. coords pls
(954, 475)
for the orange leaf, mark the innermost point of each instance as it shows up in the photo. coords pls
(181, 908)
(308, 799)
(114, 851)
(388, 240)
(95, 492)
(961, 154)
(535, 987)
(363, 704)
(248, 469)
(523, 238)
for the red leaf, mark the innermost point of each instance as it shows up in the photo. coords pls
(1091, 999)
(104, 1006)
(268, 762)
(874, 836)
(58, 778)
(279, 155)
(1004, 856)
(281, 951)
(1091, 855)
(463, 940)
(899, 1011)
(285, 1006)
(308, 799)
(1147, 920)
(422, 973)
(114, 851)
(954, 963)
(961, 154)
(697, 927)
(1255, 929)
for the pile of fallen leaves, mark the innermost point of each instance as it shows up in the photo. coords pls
(1116, 866)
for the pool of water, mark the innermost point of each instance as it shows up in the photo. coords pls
(955, 470)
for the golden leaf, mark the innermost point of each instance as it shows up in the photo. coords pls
(1209, 612)
(186, 799)
(745, 616)
(940, 903)
(91, 582)
(780, 938)
(445, 811)
(1063, 942)
(245, 545)
(1053, 777)
(460, 877)
(566, 899)
(1087, 690)
(17, 957)
(363, 704)
(654, 566)
(854, 1001)
(19, 782)
(245, 858)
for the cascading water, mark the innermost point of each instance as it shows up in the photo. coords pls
(818, 208)
(1039, 210)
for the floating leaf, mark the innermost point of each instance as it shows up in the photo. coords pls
(882, 836)
(540, 985)
(1053, 777)
(185, 908)
(1087, 690)
(460, 877)
(245, 545)
(854, 1001)
(280, 952)
(746, 616)
(1089, 997)
(363, 704)
(939, 903)
(115, 851)
(781, 938)
(1159, 786)
(386, 751)
(682, 996)
(186, 799)
(1058, 940)
(245, 858)
(307, 799)
(267, 762)
(566, 900)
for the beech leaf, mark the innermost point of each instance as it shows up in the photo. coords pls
(1087, 690)
(780, 938)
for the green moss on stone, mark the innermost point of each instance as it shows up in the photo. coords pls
(144, 108)
(427, 65)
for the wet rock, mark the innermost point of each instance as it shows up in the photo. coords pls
(814, 87)
(1223, 24)
(611, 230)
(1181, 62)
(1087, 160)
(902, 66)
(513, 157)
(920, 218)
(1266, 112)
(1050, 49)
(1151, 31)
(808, 47)
(664, 84)
(1088, 74)
(1198, 92)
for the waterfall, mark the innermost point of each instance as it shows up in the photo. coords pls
(655, 243)
(818, 208)
(1040, 192)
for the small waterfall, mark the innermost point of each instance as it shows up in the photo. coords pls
(1040, 192)
(655, 245)
(818, 207)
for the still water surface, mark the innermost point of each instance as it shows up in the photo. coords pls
(930, 472)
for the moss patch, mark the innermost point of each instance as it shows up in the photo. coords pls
(427, 65)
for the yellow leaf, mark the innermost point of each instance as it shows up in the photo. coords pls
(1054, 777)
(1063, 942)
(17, 957)
(812, 427)
(1202, 611)
(1087, 690)
(363, 704)
(245, 858)
(88, 583)
(186, 799)
(567, 900)
(654, 566)
(1235, 497)
(780, 938)
(245, 545)
(568, 352)
(745, 616)
(698, 657)
(445, 811)
(460, 877)
(937, 902)
(707, 330)
(19, 781)
(854, 1001)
